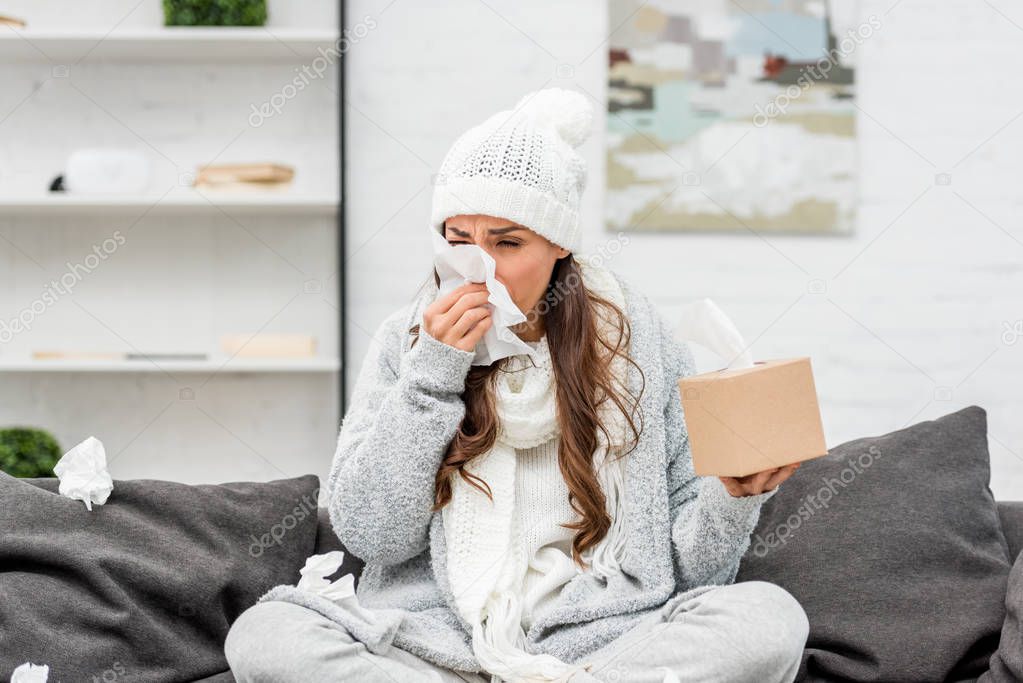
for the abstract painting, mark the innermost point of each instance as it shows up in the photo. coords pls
(728, 115)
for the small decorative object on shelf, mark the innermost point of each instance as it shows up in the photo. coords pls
(116, 355)
(106, 170)
(267, 345)
(214, 12)
(27, 452)
(11, 21)
(261, 176)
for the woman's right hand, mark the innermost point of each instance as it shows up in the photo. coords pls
(460, 318)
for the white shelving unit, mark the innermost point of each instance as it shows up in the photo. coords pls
(179, 44)
(170, 45)
(57, 204)
(191, 264)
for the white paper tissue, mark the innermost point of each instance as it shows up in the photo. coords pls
(315, 572)
(341, 591)
(462, 263)
(83, 473)
(707, 325)
(30, 673)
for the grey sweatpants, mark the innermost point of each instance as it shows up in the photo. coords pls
(747, 631)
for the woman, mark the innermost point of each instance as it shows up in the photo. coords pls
(573, 541)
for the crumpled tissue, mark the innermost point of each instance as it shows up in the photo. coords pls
(83, 473)
(314, 580)
(315, 572)
(707, 325)
(462, 263)
(30, 673)
(669, 675)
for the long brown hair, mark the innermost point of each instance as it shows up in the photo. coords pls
(584, 380)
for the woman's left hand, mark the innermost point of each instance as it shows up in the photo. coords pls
(758, 482)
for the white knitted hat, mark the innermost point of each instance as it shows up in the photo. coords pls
(522, 165)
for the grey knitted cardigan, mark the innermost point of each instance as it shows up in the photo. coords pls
(686, 533)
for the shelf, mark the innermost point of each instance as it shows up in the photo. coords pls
(167, 44)
(183, 203)
(246, 365)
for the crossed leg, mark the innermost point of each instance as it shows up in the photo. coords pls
(751, 631)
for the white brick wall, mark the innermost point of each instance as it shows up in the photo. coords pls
(915, 300)
(909, 326)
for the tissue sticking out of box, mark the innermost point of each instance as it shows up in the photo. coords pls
(707, 325)
(459, 264)
(30, 673)
(83, 473)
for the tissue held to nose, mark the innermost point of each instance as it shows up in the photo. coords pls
(457, 265)
(83, 473)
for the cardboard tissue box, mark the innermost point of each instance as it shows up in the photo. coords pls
(749, 416)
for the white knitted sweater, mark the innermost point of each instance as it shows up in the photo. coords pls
(541, 506)
(543, 493)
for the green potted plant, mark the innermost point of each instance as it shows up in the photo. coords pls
(214, 12)
(27, 452)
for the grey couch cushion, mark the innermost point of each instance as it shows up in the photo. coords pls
(1011, 513)
(893, 546)
(144, 587)
(1007, 662)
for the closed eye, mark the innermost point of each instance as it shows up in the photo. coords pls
(502, 243)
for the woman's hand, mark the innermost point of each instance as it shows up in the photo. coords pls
(460, 318)
(758, 482)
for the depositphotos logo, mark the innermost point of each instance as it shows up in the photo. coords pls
(811, 503)
(278, 531)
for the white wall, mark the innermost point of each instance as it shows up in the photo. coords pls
(909, 325)
(908, 322)
(177, 283)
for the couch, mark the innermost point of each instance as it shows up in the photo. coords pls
(1010, 514)
(904, 571)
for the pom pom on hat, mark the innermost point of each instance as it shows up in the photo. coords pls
(567, 111)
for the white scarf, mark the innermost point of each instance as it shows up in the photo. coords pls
(485, 557)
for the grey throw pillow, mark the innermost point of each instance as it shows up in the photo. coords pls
(893, 546)
(1007, 663)
(145, 587)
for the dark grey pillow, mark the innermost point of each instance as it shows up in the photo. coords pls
(144, 587)
(893, 546)
(1007, 662)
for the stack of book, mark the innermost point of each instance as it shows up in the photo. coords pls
(259, 177)
(268, 345)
